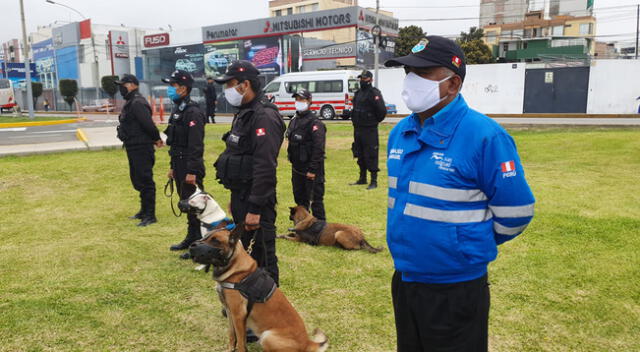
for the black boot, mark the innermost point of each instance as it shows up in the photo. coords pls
(193, 234)
(374, 181)
(147, 220)
(136, 216)
(363, 178)
(148, 216)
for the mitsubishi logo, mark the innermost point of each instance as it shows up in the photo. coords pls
(120, 41)
(361, 17)
(267, 27)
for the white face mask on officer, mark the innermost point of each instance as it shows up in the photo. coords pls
(301, 106)
(421, 94)
(233, 96)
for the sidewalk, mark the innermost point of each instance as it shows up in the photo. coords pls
(92, 139)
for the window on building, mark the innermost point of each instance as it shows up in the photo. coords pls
(492, 37)
(505, 47)
(278, 13)
(290, 11)
(558, 31)
(527, 33)
(315, 7)
(585, 28)
(301, 9)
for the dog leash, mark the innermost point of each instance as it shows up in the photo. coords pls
(170, 186)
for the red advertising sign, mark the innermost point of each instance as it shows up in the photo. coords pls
(154, 40)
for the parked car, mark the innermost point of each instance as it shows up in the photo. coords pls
(99, 105)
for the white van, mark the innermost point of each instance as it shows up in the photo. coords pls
(332, 91)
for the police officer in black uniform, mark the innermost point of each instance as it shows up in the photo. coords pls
(368, 111)
(210, 96)
(306, 152)
(139, 134)
(248, 164)
(185, 136)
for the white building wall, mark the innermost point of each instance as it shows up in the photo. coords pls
(494, 88)
(613, 87)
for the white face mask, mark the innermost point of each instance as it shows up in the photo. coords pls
(233, 97)
(301, 106)
(421, 94)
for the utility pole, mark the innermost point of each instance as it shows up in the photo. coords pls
(376, 44)
(27, 63)
(637, 28)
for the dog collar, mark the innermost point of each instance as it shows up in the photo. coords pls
(215, 224)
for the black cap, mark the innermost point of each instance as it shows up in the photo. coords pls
(365, 74)
(128, 78)
(180, 77)
(240, 70)
(302, 93)
(434, 51)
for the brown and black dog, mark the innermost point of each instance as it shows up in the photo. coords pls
(309, 229)
(275, 321)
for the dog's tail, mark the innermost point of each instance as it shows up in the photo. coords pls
(320, 342)
(369, 248)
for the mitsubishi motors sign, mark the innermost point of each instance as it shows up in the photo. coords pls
(119, 48)
(154, 40)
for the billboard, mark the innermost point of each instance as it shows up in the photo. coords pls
(264, 53)
(161, 62)
(154, 40)
(16, 72)
(44, 56)
(365, 52)
(119, 44)
(219, 56)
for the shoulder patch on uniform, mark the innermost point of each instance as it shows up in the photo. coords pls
(315, 128)
(192, 123)
(261, 132)
(377, 97)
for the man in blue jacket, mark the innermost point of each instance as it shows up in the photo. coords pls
(456, 191)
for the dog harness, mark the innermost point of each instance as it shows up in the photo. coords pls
(312, 234)
(258, 287)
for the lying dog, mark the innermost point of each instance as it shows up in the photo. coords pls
(309, 229)
(251, 298)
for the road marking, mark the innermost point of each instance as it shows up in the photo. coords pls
(61, 131)
(16, 129)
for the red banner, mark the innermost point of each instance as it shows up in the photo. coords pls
(85, 29)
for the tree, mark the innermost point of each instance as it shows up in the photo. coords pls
(474, 48)
(109, 85)
(68, 90)
(475, 33)
(408, 37)
(36, 89)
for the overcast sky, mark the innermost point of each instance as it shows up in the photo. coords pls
(613, 24)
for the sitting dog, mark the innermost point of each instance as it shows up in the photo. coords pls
(309, 229)
(251, 298)
(208, 211)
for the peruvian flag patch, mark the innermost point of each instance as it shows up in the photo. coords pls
(192, 123)
(315, 128)
(508, 166)
(456, 61)
(261, 132)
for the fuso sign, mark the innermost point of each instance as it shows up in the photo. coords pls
(153, 40)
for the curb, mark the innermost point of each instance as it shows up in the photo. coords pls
(41, 123)
(82, 137)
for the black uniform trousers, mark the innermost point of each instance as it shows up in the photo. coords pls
(302, 189)
(264, 248)
(441, 317)
(141, 160)
(211, 113)
(185, 190)
(365, 147)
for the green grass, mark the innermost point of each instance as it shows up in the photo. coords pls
(7, 118)
(76, 275)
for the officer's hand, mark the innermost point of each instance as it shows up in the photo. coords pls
(311, 176)
(170, 173)
(190, 179)
(252, 222)
(159, 143)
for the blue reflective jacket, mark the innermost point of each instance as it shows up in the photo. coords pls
(456, 191)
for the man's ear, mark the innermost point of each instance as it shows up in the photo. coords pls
(456, 85)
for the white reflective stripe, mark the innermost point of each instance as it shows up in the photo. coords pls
(509, 231)
(450, 216)
(512, 212)
(393, 182)
(450, 194)
(392, 202)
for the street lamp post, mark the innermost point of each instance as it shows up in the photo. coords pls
(27, 63)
